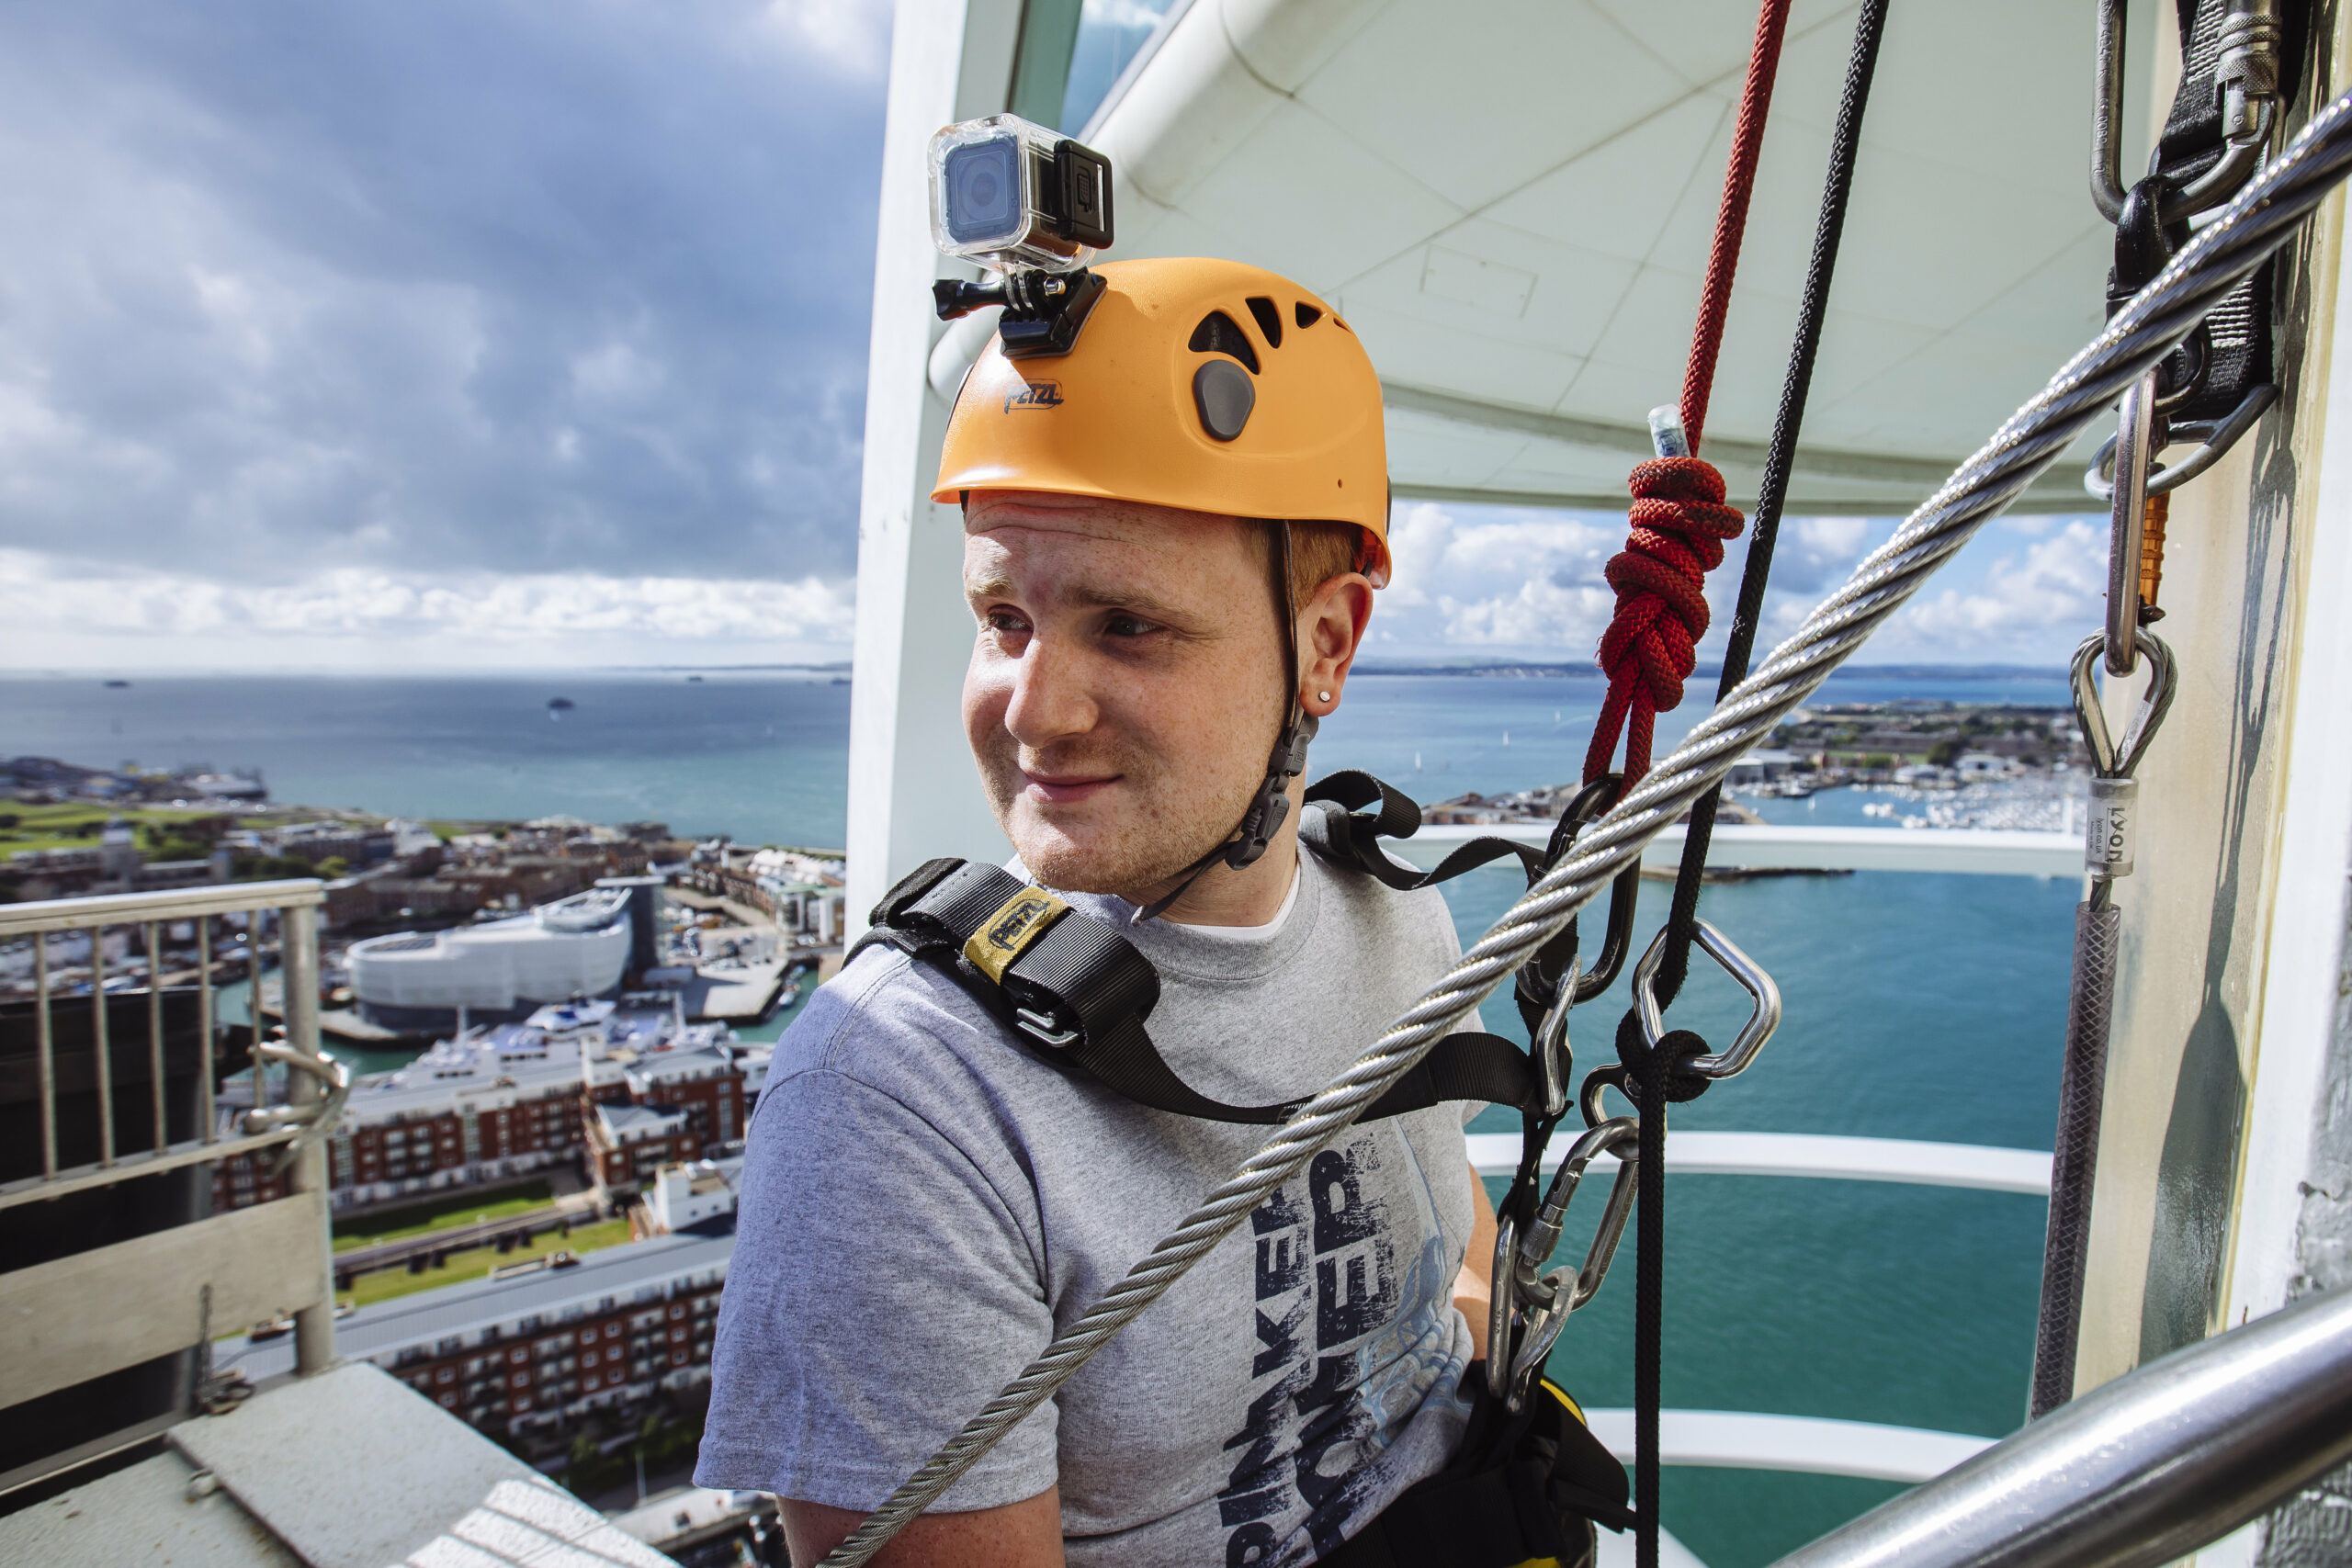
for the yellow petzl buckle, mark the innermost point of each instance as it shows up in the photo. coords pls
(1008, 934)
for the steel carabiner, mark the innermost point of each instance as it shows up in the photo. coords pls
(2127, 521)
(2245, 78)
(1541, 1301)
(1555, 1056)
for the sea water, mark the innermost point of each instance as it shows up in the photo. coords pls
(1917, 1006)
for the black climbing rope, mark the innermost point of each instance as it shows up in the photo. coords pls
(1656, 1069)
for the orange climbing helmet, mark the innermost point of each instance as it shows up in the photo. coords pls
(1206, 385)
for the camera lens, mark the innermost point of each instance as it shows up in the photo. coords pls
(983, 190)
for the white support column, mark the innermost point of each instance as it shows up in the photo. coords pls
(2301, 1066)
(912, 791)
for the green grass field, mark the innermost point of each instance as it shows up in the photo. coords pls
(473, 1263)
(55, 827)
(440, 1214)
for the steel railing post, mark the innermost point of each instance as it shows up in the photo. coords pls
(298, 970)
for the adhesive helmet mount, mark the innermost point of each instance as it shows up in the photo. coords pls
(1198, 384)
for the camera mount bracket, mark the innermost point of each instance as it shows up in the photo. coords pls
(1043, 311)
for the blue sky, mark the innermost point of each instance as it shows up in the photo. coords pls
(406, 333)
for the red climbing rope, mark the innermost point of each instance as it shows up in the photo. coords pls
(1678, 517)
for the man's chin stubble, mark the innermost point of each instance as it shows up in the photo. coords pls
(1132, 863)
(1074, 866)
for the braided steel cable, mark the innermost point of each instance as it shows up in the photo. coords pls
(2254, 224)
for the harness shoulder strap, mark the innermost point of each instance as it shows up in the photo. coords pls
(1076, 993)
(1349, 837)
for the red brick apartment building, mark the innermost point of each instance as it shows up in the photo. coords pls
(426, 1136)
(509, 1104)
(670, 1108)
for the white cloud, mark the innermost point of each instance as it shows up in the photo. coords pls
(495, 288)
(1524, 583)
(2058, 585)
(361, 616)
(855, 34)
(1492, 578)
(1543, 613)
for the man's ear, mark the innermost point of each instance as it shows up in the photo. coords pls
(1330, 630)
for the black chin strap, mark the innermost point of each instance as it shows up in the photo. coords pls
(1270, 808)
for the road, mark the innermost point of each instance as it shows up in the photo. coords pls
(574, 1208)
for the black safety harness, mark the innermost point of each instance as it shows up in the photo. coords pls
(1075, 992)
(1078, 994)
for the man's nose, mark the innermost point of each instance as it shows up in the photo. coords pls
(1052, 698)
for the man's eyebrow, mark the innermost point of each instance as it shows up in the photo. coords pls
(1140, 602)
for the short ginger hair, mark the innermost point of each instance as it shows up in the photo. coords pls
(1319, 551)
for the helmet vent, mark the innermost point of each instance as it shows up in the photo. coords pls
(1220, 333)
(1270, 321)
(1305, 314)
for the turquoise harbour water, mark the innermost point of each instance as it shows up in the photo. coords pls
(1917, 1006)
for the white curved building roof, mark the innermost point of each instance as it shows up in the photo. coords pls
(574, 947)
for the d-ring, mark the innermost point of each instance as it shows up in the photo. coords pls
(2214, 439)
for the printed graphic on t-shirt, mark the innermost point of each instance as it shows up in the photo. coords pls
(1348, 1344)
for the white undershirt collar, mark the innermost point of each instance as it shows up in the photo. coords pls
(1252, 934)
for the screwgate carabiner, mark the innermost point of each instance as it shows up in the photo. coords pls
(1541, 1301)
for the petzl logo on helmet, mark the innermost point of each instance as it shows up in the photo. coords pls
(1034, 395)
(1006, 934)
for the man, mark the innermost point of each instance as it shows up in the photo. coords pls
(928, 1199)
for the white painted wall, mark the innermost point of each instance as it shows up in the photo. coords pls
(913, 790)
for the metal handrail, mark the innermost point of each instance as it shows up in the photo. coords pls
(1819, 1156)
(177, 904)
(2144, 1470)
(313, 1092)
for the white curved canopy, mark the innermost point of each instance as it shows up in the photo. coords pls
(1512, 204)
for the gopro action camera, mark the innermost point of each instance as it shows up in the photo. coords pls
(1008, 193)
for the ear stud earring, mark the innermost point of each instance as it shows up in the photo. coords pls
(1323, 696)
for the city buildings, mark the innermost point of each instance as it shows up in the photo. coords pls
(698, 1197)
(47, 778)
(612, 1092)
(803, 893)
(531, 1356)
(680, 1106)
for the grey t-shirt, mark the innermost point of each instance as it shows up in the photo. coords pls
(925, 1203)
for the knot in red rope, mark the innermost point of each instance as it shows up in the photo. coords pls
(1680, 524)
